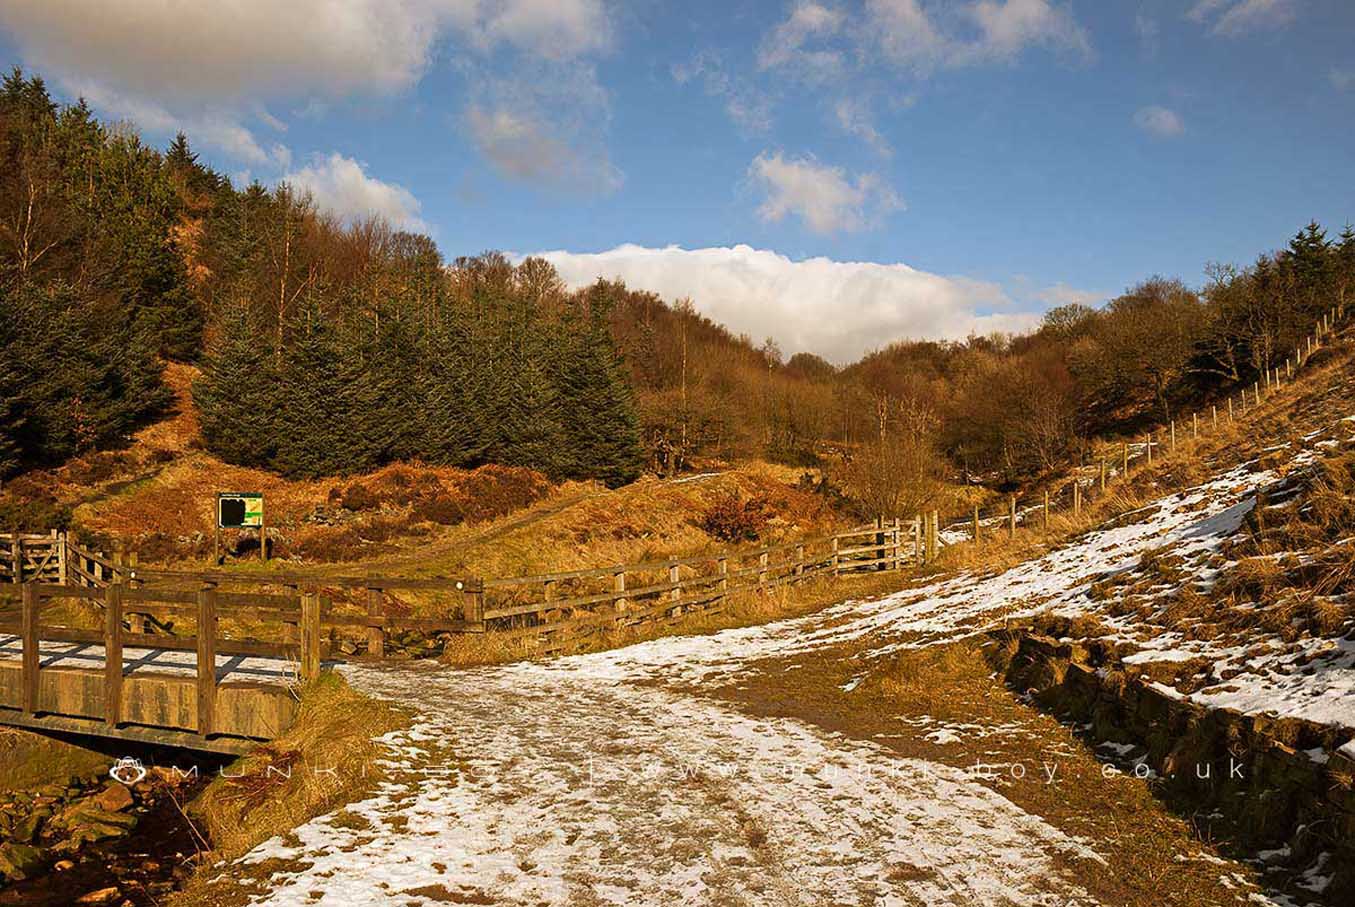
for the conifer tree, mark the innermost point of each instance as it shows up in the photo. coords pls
(237, 394)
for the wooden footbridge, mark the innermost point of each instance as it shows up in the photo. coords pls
(214, 660)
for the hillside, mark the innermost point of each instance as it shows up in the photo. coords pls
(1193, 636)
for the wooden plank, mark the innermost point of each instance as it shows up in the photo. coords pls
(31, 664)
(310, 636)
(376, 635)
(113, 655)
(224, 577)
(234, 746)
(206, 660)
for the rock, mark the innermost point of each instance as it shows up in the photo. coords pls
(63, 865)
(89, 823)
(19, 861)
(113, 798)
(102, 896)
(26, 828)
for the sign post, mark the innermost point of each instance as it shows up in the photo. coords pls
(241, 510)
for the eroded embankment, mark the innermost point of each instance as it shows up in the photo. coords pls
(1280, 789)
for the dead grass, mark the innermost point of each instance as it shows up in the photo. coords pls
(326, 759)
(29, 761)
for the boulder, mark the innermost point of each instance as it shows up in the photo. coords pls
(101, 896)
(113, 798)
(19, 861)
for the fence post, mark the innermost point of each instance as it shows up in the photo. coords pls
(1103, 475)
(619, 585)
(976, 522)
(1173, 446)
(1194, 426)
(898, 544)
(1077, 498)
(1124, 455)
(934, 536)
(675, 576)
(835, 560)
(31, 641)
(62, 572)
(1214, 408)
(880, 541)
(113, 654)
(1011, 517)
(376, 635)
(16, 558)
(474, 607)
(1046, 503)
(799, 561)
(206, 660)
(1230, 409)
(310, 636)
(722, 568)
(918, 553)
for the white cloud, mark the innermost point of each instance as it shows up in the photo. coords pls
(824, 197)
(784, 45)
(1232, 18)
(854, 116)
(1341, 79)
(1007, 28)
(341, 186)
(749, 108)
(1159, 121)
(181, 65)
(839, 310)
(984, 31)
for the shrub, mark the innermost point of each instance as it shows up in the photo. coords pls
(359, 497)
(441, 509)
(734, 519)
(33, 515)
(493, 491)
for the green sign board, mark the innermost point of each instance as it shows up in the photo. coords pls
(239, 509)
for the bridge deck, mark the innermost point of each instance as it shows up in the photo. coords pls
(254, 696)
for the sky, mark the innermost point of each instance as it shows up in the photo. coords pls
(834, 175)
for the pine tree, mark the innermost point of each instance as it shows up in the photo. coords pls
(237, 395)
(602, 434)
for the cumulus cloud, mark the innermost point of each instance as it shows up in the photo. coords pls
(524, 148)
(824, 197)
(1062, 294)
(1231, 18)
(194, 63)
(836, 309)
(342, 186)
(1159, 121)
(1008, 28)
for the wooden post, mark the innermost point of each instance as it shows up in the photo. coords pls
(263, 538)
(619, 585)
(880, 541)
(675, 576)
(16, 558)
(31, 641)
(918, 552)
(976, 522)
(1289, 369)
(1194, 426)
(216, 545)
(722, 570)
(1077, 498)
(474, 603)
(376, 635)
(62, 569)
(206, 660)
(310, 636)
(113, 654)
(836, 562)
(934, 545)
(1124, 455)
(898, 544)
(1104, 470)
(1046, 500)
(1173, 447)
(1011, 517)
(1214, 410)
(1230, 409)
(799, 561)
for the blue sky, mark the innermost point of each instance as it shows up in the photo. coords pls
(979, 159)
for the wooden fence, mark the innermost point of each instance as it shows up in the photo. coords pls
(1117, 462)
(29, 557)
